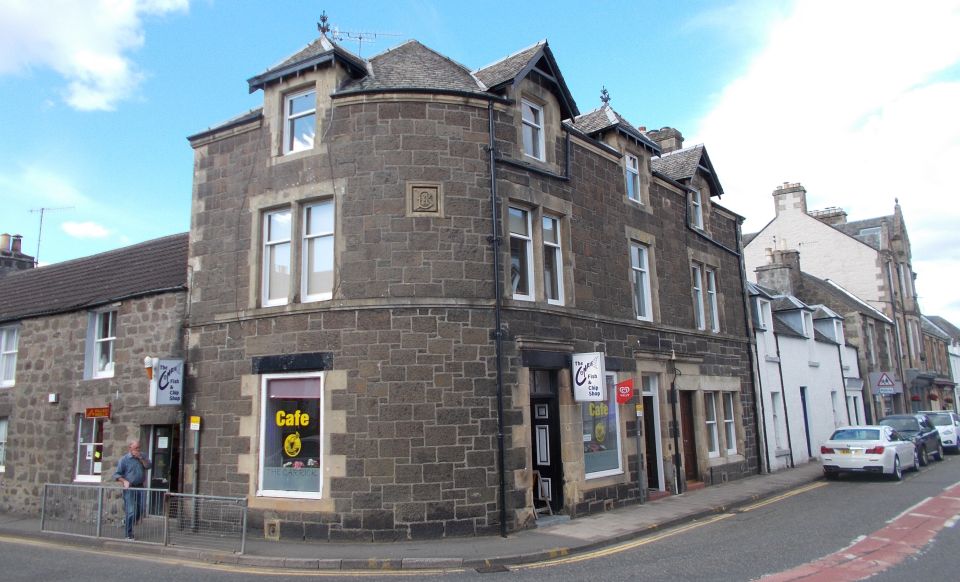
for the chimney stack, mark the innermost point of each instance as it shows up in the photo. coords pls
(790, 198)
(668, 138)
(11, 254)
(783, 272)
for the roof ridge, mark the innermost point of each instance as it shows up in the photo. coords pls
(510, 56)
(115, 251)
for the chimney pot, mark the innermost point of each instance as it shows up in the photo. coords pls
(4, 242)
(15, 244)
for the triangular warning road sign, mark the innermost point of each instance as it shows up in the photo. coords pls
(884, 381)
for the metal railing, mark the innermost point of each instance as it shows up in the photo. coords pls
(170, 519)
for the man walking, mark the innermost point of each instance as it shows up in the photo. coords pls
(131, 472)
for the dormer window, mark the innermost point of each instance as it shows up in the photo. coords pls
(633, 178)
(532, 130)
(299, 121)
(696, 210)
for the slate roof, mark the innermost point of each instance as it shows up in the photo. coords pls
(319, 51)
(781, 327)
(605, 118)
(841, 297)
(507, 69)
(679, 164)
(518, 64)
(951, 330)
(932, 329)
(788, 303)
(143, 269)
(414, 66)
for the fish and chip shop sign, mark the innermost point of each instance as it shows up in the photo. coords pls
(166, 388)
(588, 377)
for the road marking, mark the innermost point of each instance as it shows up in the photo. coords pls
(622, 547)
(237, 568)
(786, 495)
(903, 536)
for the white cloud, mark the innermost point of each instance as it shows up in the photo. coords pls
(36, 187)
(856, 100)
(88, 43)
(84, 229)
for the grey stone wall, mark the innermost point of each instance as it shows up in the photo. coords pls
(411, 320)
(42, 436)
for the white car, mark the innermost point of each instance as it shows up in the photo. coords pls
(948, 425)
(868, 449)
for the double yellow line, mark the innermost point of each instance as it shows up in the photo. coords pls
(667, 534)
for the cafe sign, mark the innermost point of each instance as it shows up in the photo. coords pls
(588, 377)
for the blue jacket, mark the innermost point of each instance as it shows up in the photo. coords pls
(130, 469)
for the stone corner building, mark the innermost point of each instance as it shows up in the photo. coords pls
(350, 269)
(73, 391)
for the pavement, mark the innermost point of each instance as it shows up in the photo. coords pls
(552, 538)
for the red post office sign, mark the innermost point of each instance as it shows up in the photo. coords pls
(97, 412)
(624, 391)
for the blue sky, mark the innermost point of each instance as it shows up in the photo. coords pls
(855, 99)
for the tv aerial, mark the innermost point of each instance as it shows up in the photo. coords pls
(334, 33)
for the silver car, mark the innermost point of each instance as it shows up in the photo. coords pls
(875, 449)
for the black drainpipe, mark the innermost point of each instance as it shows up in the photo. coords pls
(783, 395)
(747, 322)
(498, 332)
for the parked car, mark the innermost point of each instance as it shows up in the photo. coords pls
(921, 430)
(868, 449)
(948, 424)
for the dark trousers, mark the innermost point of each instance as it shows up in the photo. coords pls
(133, 508)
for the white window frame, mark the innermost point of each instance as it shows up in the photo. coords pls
(729, 422)
(306, 240)
(696, 209)
(611, 381)
(807, 319)
(266, 247)
(640, 269)
(94, 423)
(766, 317)
(97, 343)
(775, 405)
(264, 381)
(632, 170)
(696, 273)
(289, 146)
(710, 420)
(4, 429)
(838, 331)
(871, 344)
(554, 250)
(527, 249)
(535, 126)
(911, 342)
(9, 340)
(712, 300)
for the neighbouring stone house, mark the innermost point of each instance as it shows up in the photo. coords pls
(380, 351)
(12, 257)
(870, 258)
(940, 385)
(953, 356)
(74, 390)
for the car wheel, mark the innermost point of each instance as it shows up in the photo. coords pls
(897, 474)
(939, 454)
(830, 475)
(923, 455)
